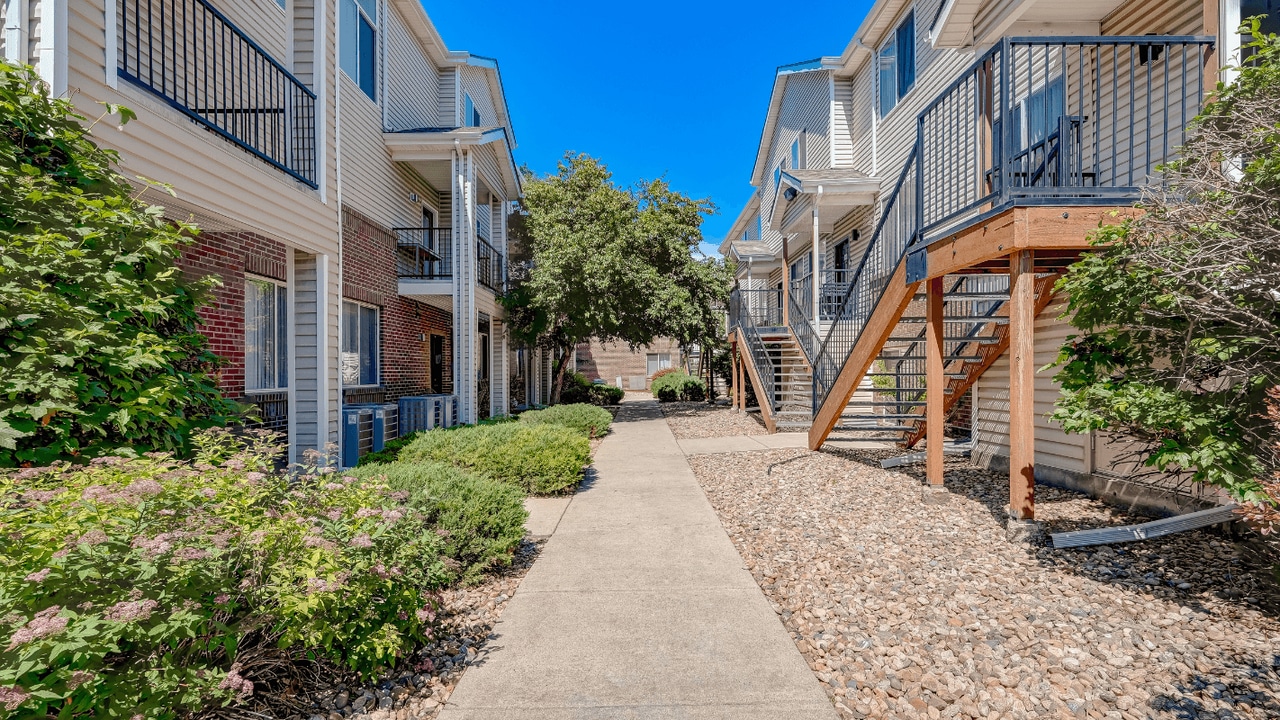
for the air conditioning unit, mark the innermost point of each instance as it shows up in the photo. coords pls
(427, 412)
(366, 428)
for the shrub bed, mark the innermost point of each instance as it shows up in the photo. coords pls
(480, 520)
(147, 587)
(540, 459)
(589, 420)
(578, 389)
(679, 386)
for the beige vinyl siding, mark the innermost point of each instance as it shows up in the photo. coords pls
(304, 41)
(862, 220)
(449, 97)
(845, 124)
(475, 82)
(306, 352)
(412, 81)
(372, 183)
(1164, 17)
(487, 169)
(806, 108)
(1053, 447)
(861, 117)
(203, 169)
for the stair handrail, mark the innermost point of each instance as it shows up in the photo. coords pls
(760, 357)
(825, 366)
(802, 327)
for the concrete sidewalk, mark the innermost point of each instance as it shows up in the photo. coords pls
(639, 607)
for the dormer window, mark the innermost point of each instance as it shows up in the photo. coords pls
(897, 64)
(471, 114)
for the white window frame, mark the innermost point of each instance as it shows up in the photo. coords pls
(367, 11)
(891, 45)
(280, 330)
(471, 112)
(658, 360)
(377, 346)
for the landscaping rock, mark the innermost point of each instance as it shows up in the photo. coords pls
(906, 609)
(699, 420)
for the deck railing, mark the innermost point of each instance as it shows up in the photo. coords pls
(197, 60)
(1054, 120)
(424, 253)
(490, 267)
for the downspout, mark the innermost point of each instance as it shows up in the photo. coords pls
(337, 350)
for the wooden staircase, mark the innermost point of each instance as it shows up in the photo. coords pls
(781, 377)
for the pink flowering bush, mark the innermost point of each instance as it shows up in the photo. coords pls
(153, 587)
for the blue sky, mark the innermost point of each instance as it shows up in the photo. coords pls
(663, 88)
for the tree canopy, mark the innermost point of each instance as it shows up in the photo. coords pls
(99, 338)
(1179, 310)
(612, 263)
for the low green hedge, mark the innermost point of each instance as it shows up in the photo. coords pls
(589, 420)
(678, 386)
(578, 389)
(480, 520)
(541, 459)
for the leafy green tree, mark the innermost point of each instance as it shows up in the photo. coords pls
(1179, 309)
(99, 338)
(611, 263)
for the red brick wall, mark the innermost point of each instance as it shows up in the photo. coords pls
(369, 276)
(228, 256)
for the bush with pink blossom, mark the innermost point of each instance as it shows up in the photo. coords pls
(154, 587)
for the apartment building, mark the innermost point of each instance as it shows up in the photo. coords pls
(918, 195)
(619, 365)
(351, 176)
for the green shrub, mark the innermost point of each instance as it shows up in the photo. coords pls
(679, 386)
(606, 395)
(146, 587)
(99, 336)
(389, 452)
(578, 390)
(589, 420)
(480, 520)
(541, 459)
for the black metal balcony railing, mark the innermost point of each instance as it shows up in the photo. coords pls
(192, 56)
(490, 267)
(800, 315)
(835, 283)
(424, 253)
(1051, 120)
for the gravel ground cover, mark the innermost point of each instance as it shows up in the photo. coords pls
(689, 420)
(420, 688)
(910, 610)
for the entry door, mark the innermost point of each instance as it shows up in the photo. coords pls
(437, 363)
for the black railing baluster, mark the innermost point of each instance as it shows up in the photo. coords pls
(218, 76)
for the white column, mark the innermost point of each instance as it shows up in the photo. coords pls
(817, 279)
(465, 318)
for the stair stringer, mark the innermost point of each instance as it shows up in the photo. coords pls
(990, 353)
(898, 294)
(766, 406)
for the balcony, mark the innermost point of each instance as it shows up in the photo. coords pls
(491, 267)
(189, 54)
(1055, 121)
(424, 264)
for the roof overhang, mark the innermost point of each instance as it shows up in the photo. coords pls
(439, 144)
(875, 25)
(823, 64)
(835, 196)
(748, 215)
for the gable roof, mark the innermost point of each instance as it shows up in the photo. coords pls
(822, 64)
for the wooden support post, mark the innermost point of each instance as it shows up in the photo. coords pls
(737, 379)
(1022, 378)
(935, 381)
